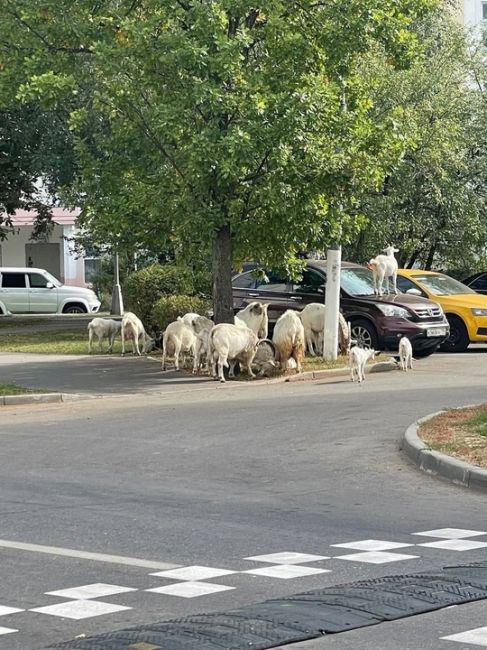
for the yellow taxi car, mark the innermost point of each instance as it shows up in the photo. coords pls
(465, 309)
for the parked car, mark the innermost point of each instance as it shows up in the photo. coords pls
(36, 291)
(465, 309)
(377, 321)
(477, 282)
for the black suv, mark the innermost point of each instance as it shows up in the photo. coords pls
(377, 321)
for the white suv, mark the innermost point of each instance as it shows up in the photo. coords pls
(35, 291)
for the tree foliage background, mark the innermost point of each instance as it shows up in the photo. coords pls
(248, 132)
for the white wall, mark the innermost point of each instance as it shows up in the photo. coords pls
(13, 252)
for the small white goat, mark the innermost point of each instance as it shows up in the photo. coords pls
(405, 354)
(384, 267)
(358, 358)
(103, 328)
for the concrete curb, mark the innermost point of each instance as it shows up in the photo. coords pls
(381, 366)
(41, 398)
(438, 464)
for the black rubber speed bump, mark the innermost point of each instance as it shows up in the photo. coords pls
(302, 617)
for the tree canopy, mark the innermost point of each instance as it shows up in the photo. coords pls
(247, 131)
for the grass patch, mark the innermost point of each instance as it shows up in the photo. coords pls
(461, 433)
(317, 363)
(13, 389)
(62, 342)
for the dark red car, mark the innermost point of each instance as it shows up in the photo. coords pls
(377, 321)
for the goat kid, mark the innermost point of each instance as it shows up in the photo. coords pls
(358, 358)
(405, 354)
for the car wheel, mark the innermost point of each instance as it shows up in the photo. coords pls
(365, 334)
(458, 341)
(74, 309)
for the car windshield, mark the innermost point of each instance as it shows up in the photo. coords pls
(52, 279)
(442, 285)
(357, 281)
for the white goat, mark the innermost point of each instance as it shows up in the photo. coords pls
(178, 337)
(255, 317)
(313, 319)
(103, 328)
(358, 357)
(384, 267)
(189, 318)
(133, 330)
(405, 354)
(230, 342)
(288, 338)
(202, 327)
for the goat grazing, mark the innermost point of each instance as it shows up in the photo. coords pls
(232, 343)
(405, 354)
(103, 328)
(358, 358)
(133, 329)
(384, 267)
(288, 338)
(178, 337)
(313, 319)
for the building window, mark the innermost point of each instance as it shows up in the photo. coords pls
(484, 10)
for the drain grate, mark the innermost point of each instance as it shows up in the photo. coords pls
(303, 616)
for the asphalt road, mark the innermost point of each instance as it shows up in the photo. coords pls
(211, 475)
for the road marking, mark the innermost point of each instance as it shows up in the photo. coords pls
(85, 555)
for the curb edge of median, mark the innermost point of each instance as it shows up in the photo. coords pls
(309, 375)
(41, 398)
(434, 462)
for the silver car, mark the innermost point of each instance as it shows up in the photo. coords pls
(36, 291)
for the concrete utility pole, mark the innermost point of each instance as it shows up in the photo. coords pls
(117, 300)
(332, 303)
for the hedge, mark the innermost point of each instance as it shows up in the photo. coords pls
(167, 309)
(142, 289)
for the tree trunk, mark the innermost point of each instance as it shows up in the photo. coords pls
(222, 276)
(431, 255)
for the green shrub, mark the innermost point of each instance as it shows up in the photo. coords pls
(167, 309)
(142, 289)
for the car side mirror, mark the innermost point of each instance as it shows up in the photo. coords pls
(49, 285)
(414, 292)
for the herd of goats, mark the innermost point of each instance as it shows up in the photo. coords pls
(245, 341)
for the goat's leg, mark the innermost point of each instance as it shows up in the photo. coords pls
(221, 362)
(197, 353)
(90, 338)
(394, 282)
(177, 350)
(309, 342)
(231, 373)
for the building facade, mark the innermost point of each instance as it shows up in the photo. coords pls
(53, 253)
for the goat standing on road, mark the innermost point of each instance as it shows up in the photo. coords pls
(405, 354)
(358, 358)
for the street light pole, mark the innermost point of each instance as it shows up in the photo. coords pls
(117, 300)
(332, 303)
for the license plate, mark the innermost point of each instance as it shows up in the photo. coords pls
(436, 331)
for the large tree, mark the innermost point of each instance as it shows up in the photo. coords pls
(432, 204)
(245, 130)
